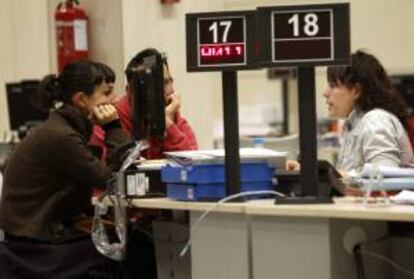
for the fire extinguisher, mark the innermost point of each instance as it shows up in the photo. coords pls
(71, 33)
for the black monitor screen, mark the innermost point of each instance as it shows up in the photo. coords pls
(148, 118)
(22, 103)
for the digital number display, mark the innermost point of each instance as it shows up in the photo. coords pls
(221, 41)
(302, 35)
(280, 36)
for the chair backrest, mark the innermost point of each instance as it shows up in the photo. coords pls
(411, 130)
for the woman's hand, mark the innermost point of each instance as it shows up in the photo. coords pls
(173, 105)
(103, 114)
(292, 165)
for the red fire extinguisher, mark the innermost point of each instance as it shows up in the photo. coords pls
(71, 33)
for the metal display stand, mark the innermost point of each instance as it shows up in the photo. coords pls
(302, 36)
(231, 131)
(308, 143)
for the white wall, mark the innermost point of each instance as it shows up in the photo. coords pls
(382, 27)
(121, 28)
(105, 40)
(24, 49)
(147, 23)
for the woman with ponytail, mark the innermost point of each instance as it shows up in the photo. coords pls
(48, 179)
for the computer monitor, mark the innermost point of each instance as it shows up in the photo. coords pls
(148, 110)
(22, 103)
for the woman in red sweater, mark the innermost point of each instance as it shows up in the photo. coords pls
(178, 136)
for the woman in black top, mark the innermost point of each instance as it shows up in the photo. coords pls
(48, 179)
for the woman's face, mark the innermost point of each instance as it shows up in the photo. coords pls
(101, 95)
(340, 99)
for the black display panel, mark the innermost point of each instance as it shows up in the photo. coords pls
(304, 35)
(148, 110)
(220, 41)
(23, 103)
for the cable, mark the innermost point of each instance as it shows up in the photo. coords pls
(358, 262)
(389, 261)
(357, 255)
(232, 197)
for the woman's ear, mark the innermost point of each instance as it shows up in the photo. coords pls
(357, 90)
(79, 100)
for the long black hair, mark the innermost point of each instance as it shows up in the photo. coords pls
(80, 76)
(377, 90)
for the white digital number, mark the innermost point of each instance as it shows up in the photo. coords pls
(294, 20)
(311, 27)
(227, 25)
(214, 29)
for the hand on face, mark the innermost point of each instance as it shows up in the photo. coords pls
(172, 106)
(292, 165)
(103, 114)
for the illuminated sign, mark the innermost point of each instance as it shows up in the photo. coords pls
(304, 35)
(222, 41)
(217, 41)
(281, 36)
(292, 32)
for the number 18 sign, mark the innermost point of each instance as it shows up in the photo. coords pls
(218, 41)
(304, 35)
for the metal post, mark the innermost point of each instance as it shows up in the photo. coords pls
(308, 144)
(285, 101)
(231, 131)
(307, 128)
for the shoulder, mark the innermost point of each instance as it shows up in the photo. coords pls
(379, 119)
(379, 115)
(56, 131)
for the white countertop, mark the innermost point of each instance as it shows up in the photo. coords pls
(341, 210)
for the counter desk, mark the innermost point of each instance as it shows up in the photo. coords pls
(261, 240)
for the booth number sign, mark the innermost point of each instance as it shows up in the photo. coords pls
(296, 31)
(222, 41)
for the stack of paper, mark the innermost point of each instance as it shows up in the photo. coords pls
(393, 178)
(387, 171)
(274, 158)
(404, 197)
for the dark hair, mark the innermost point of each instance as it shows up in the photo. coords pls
(109, 74)
(138, 60)
(377, 90)
(79, 76)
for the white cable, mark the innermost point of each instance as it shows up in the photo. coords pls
(206, 212)
(389, 261)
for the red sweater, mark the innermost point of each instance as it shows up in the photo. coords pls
(179, 136)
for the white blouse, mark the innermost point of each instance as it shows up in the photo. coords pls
(376, 137)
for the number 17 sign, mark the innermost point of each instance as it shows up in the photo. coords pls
(218, 41)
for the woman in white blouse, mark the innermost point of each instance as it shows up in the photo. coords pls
(375, 115)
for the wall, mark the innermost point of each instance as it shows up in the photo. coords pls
(121, 28)
(147, 23)
(24, 49)
(379, 26)
(105, 35)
